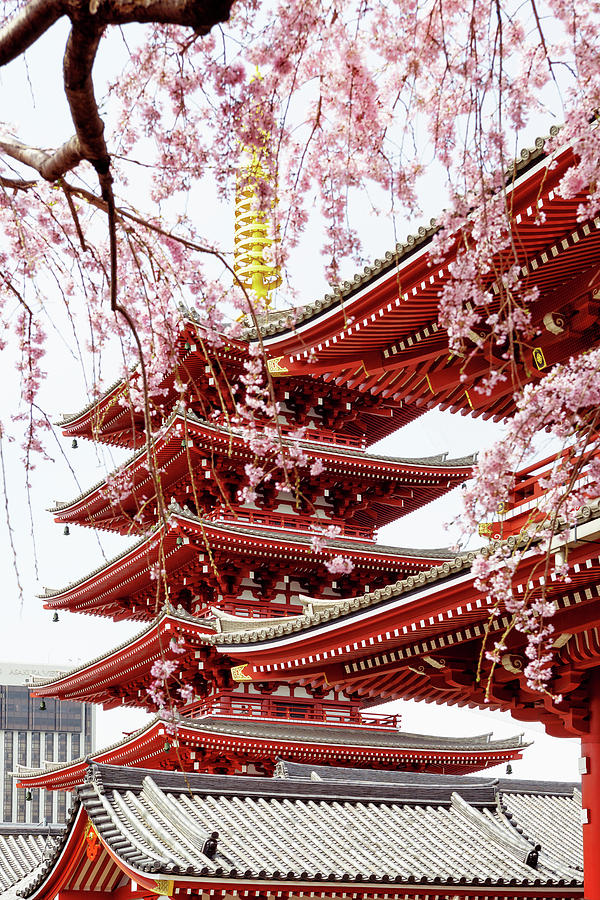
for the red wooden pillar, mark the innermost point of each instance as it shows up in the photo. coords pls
(590, 789)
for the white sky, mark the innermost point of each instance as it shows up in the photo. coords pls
(28, 630)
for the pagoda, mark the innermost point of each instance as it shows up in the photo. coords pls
(344, 372)
(221, 560)
(214, 548)
(421, 637)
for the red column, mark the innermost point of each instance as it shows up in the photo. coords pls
(590, 789)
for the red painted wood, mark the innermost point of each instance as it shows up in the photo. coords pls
(590, 790)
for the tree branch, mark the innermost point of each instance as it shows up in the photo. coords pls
(201, 16)
(16, 184)
(50, 166)
(89, 19)
(27, 26)
(78, 61)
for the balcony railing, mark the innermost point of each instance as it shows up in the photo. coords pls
(322, 436)
(271, 708)
(284, 522)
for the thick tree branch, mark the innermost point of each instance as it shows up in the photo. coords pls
(89, 19)
(50, 166)
(79, 58)
(201, 16)
(27, 26)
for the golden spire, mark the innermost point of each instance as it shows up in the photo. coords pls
(253, 229)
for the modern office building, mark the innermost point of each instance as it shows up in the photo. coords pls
(34, 730)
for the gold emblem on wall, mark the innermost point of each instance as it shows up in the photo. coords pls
(238, 674)
(91, 841)
(539, 360)
(274, 366)
(163, 887)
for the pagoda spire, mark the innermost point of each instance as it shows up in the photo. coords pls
(253, 229)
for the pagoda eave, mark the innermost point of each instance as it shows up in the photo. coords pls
(392, 487)
(186, 544)
(121, 676)
(423, 642)
(369, 304)
(229, 745)
(375, 329)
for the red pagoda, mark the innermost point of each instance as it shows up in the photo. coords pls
(234, 594)
(421, 637)
(213, 559)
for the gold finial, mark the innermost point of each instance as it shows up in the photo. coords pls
(252, 229)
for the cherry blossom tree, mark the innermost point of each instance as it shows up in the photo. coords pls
(338, 100)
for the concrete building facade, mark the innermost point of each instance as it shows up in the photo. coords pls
(34, 730)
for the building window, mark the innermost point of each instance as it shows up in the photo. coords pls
(62, 748)
(35, 750)
(48, 812)
(22, 757)
(44, 719)
(49, 755)
(71, 718)
(88, 727)
(17, 707)
(35, 805)
(8, 780)
(61, 807)
(75, 746)
(20, 805)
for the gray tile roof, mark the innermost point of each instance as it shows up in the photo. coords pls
(359, 736)
(298, 732)
(294, 771)
(23, 849)
(275, 830)
(557, 817)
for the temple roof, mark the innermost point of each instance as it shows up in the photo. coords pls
(252, 631)
(421, 638)
(281, 731)
(377, 334)
(281, 832)
(380, 334)
(260, 739)
(130, 662)
(426, 477)
(187, 536)
(23, 851)
(290, 319)
(295, 771)
(110, 417)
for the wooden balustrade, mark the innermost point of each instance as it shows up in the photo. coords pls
(275, 708)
